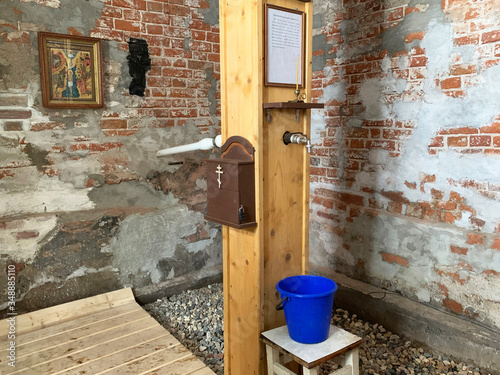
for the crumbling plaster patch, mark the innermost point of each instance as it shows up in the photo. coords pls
(477, 293)
(421, 245)
(43, 279)
(18, 67)
(43, 17)
(320, 43)
(126, 194)
(32, 192)
(373, 91)
(335, 91)
(430, 12)
(434, 112)
(145, 240)
(48, 3)
(211, 13)
(23, 248)
(212, 99)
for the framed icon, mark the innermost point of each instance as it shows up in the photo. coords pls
(71, 71)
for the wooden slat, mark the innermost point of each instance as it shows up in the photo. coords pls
(279, 369)
(90, 331)
(37, 334)
(134, 352)
(83, 324)
(76, 346)
(182, 366)
(144, 342)
(67, 311)
(149, 362)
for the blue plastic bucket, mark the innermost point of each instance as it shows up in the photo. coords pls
(308, 302)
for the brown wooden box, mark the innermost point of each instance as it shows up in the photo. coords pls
(236, 189)
(231, 185)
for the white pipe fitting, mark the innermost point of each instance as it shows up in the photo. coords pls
(204, 144)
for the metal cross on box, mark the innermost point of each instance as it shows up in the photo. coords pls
(219, 172)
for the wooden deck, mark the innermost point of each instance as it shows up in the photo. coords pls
(106, 334)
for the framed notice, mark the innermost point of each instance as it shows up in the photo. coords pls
(71, 71)
(284, 47)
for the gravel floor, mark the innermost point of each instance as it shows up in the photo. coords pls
(195, 318)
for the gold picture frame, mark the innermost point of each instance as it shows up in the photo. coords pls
(70, 71)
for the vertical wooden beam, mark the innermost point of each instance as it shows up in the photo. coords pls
(241, 95)
(256, 259)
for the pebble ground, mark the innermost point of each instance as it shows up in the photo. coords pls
(195, 318)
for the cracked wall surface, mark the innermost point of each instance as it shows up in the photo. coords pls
(404, 172)
(86, 206)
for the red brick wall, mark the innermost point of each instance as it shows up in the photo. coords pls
(177, 88)
(404, 172)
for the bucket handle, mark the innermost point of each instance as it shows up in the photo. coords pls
(279, 306)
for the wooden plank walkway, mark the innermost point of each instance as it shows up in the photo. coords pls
(106, 334)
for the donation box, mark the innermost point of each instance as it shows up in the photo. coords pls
(231, 185)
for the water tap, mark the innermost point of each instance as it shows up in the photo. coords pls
(297, 138)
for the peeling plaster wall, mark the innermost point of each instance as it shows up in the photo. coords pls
(85, 206)
(405, 190)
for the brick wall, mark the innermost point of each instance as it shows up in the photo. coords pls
(404, 172)
(183, 49)
(86, 206)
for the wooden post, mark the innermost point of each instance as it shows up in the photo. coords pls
(256, 259)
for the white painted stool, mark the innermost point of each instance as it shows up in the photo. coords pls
(340, 345)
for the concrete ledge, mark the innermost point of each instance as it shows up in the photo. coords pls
(193, 280)
(444, 333)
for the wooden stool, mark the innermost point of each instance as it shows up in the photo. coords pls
(339, 345)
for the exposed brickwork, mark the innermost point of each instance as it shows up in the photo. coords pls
(14, 114)
(396, 133)
(473, 239)
(484, 140)
(181, 53)
(184, 51)
(392, 258)
(453, 305)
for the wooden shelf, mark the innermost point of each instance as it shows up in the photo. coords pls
(292, 105)
(289, 105)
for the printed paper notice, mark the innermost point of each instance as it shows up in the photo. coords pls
(284, 47)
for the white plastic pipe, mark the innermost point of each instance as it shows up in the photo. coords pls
(204, 144)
